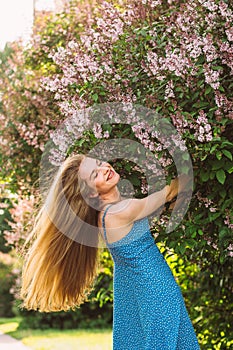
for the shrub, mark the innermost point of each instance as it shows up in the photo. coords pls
(7, 283)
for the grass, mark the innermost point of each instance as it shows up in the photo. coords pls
(52, 339)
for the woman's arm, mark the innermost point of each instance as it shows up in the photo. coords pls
(131, 210)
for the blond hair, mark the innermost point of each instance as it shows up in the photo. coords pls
(59, 269)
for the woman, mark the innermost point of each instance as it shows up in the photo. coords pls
(149, 311)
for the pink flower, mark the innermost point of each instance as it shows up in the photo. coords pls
(226, 54)
(193, 46)
(153, 66)
(169, 92)
(179, 122)
(208, 203)
(228, 221)
(97, 129)
(211, 76)
(213, 210)
(106, 134)
(151, 3)
(175, 61)
(229, 33)
(21, 214)
(222, 102)
(210, 19)
(203, 128)
(225, 11)
(209, 49)
(209, 4)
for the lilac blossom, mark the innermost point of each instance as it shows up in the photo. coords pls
(211, 77)
(209, 48)
(97, 129)
(223, 102)
(169, 92)
(179, 122)
(153, 66)
(21, 214)
(208, 203)
(228, 221)
(225, 11)
(151, 3)
(203, 128)
(209, 4)
(226, 54)
(230, 250)
(229, 33)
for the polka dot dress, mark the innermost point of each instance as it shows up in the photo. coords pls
(149, 311)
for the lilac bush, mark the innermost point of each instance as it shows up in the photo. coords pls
(176, 59)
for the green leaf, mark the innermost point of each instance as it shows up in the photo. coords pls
(171, 108)
(223, 193)
(222, 233)
(200, 232)
(204, 175)
(217, 68)
(134, 180)
(213, 148)
(208, 89)
(201, 104)
(128, 167)
(95, 97)
(212, 175)
(227, 203)
(227, 154)
(227, 143)
(222, 259)
(230, 171)
(213, 216)
(221, 176)
(182, 248)
(185, 156)
(218, 164)
(219, 155)
(191, 242)
(221, 88)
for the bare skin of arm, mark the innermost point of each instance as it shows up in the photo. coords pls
(123, 214)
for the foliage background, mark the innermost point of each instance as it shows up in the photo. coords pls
(172, 56)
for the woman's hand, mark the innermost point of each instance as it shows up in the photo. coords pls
(179, 184)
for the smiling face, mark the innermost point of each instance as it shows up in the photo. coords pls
(99, 176)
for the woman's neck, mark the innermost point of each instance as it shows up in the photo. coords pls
(111, 197)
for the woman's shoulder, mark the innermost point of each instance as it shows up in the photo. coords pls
(113, 214)
(111, 221)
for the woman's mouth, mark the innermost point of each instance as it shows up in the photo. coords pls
(110, 174)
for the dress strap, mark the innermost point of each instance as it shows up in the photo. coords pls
(103, 222)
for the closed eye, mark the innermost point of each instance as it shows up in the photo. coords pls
(99, 162)
(94, 173)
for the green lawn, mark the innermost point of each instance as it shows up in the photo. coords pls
(58, 340)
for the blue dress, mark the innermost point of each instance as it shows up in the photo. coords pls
(149, 312)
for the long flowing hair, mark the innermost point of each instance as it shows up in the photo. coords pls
(61, 264)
